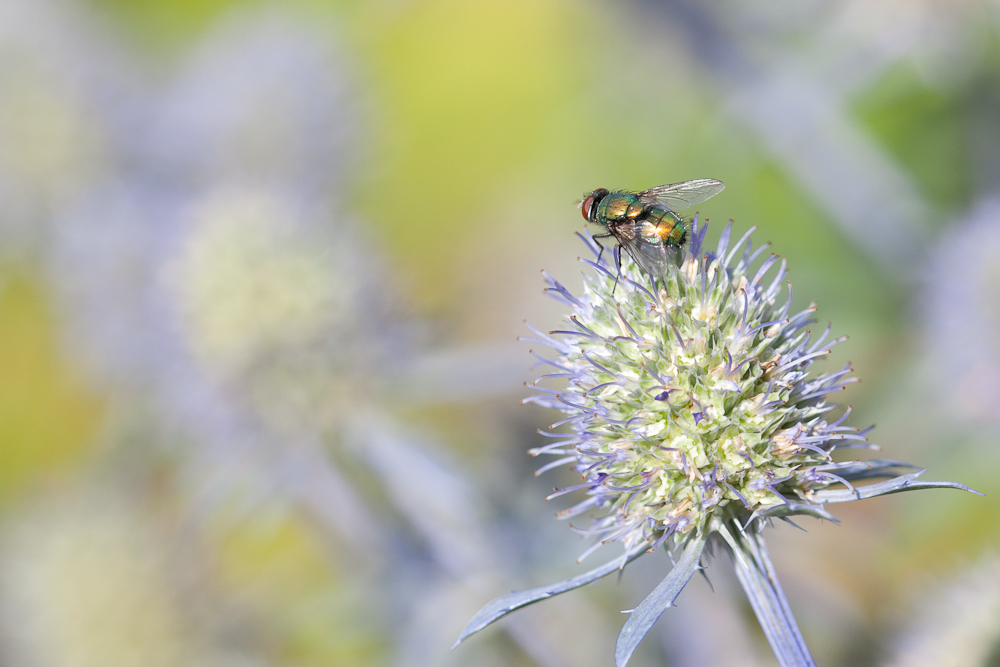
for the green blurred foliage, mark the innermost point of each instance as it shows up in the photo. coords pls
(49, 418)
(278, 572)
(962, 526)
(469, 94)
(162, 27)
(926, 129)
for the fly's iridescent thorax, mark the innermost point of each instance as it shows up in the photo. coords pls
(617, 207)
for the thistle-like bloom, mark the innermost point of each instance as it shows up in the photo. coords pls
(693, 416)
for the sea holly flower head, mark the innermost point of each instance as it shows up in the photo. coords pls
(692, 412)
(690, 399)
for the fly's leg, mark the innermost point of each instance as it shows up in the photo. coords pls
(618, 257)
(601, 236)
(618, 263)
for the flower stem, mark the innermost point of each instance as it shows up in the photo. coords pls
(758, 578)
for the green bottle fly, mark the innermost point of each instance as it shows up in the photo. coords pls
(644, 223)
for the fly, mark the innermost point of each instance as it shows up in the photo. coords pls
(645, 223)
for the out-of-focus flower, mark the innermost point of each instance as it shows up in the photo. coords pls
(62, 90)
(250, 400)
(86, 581)
(219, 285)
(957, 625)
(693, 416)
(963, 313)
(273, 306)
(248, 287)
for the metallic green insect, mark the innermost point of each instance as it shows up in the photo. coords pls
(644, 223)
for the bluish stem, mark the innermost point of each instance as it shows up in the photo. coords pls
(758, 578)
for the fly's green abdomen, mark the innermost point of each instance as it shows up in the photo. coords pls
(669, 228)
(619, 206)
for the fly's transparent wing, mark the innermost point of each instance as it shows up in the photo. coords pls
(644, 245)
(679, 196)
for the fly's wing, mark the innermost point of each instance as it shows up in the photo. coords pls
(651, 256)
(679, 196)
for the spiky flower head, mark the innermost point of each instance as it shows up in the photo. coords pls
(692, 413)
(691, 397)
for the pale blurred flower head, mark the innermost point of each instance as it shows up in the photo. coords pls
(86, 583)
(962, 314)
(63, 90)
(692, 414)
(224, 297)
(251, 281)
(222, 256)
(279, 303)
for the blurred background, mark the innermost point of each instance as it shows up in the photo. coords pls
(263, 266)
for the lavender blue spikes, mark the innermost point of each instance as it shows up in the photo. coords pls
(692, 410)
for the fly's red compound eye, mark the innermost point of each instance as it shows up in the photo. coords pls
(585, 208)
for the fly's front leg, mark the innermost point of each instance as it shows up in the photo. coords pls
(618, 263)
(601, 236)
